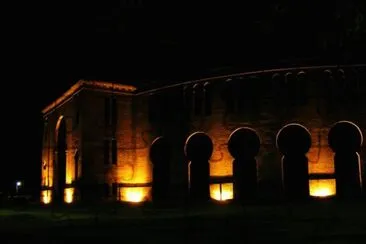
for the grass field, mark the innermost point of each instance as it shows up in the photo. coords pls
(315, 222)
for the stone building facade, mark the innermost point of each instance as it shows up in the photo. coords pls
(106, 130)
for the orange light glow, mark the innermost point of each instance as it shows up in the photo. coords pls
(70, 166)
(47, 171)
(69, 195)
(320, 155)
(46, 196)
(134, 194)
(322, 188)
(225, 193)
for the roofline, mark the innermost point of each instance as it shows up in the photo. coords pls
(109, 86)
(78, 86)
(305, 68)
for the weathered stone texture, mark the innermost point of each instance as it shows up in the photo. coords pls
(176, 120)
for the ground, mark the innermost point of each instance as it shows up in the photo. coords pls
(315, 222)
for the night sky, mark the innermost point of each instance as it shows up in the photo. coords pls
(48, 48)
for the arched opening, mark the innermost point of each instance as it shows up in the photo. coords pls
(345, 139)
(279, 90)
(198, 149)
(160, 158)
(208, 98)
(244, 144)
(228, 97)
(60, 169)
(345, 135)
(293, 137)
(291, 89)
(198, 99)
(302, 88)
(294, 141)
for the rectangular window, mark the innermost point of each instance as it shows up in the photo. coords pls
(198, 100)
(106, 152)
(113, 112)
(107, 111)
(114, 151)
(208, 100)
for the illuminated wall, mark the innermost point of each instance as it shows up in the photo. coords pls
(133, 166)
(47, 169)
(52, 119)
(134, 194)
(222, 192)
(321, 161)
(320, 155)
(135, 133)
(46, 196)
(69, 195)
(322, 188)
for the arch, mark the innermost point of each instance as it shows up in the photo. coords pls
(288, 76)
(60, 151)
(198, 149)
(337, 137)
(275, 81)
(328, 90)
(276, 76)
(156, 140)
(244, 145)
(327, 82)
(160, 158)
(245, 138)
(345, 139)
(301, 73)
(294, 130)
(294, 141)
(58, 124)
(158, 149)
(341, 73)
(198, 141)
(327, 72)
(341, 82)
(198, 99)
(291, 87)
(302, 88)
(207, 87)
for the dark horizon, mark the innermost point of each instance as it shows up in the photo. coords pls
(69, 43)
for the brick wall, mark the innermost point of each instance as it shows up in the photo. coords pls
(69, 112)
(267, 120)
(170, 112)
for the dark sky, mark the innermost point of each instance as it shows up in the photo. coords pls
(48, 48)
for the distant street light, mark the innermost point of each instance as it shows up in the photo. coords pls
(17, 186)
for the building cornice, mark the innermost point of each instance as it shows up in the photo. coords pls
(89, 84)
(129, 90)
(250, 73)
